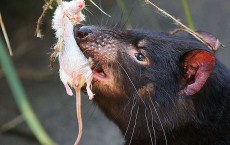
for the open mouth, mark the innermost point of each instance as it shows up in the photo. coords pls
(99, 66)
(87, 42)
(100, 71)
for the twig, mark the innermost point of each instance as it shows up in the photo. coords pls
(47, 6)
(177, 22)
(99, 8)
(5, 35)
(38, 29)
(11, 124)
(215, 47)
(59, 2)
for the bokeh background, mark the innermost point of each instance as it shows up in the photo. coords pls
(54, 109)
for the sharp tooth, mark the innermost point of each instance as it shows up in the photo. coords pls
(90, 60)
(102, 74)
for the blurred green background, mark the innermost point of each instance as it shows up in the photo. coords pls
(46, 94)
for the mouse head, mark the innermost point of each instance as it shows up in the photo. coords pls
(73, 10)
(74, 7)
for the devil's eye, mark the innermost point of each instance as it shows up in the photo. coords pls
(140, 57)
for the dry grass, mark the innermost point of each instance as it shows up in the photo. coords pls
(181, 25)
(5, 35)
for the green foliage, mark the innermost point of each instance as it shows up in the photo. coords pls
(187, 14)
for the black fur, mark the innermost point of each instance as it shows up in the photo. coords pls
(162, 116)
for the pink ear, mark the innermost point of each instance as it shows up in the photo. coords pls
(197, 65)
(210, 39)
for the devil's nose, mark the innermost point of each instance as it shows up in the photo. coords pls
(81, 31)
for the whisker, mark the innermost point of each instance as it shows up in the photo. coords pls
(91, 114)
(154, 131)
(130, 118)
(89, 22)
(148, 128)
(102, 16)
(117, 25)
(166, 141)
(123, 109)
(107, 21)
(134, 126)
(86, 9)
(168, 95)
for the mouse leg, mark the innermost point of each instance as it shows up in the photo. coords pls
(64, 79)
(68, 89)
(89, 91)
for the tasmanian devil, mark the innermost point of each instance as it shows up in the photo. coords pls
(158, 88)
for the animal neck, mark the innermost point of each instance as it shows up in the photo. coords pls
(115, 109)
(210, 103)
(67, 30)
(215, 96)
(67, 35)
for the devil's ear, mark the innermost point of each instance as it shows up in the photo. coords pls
(210, 39)
(197, 66)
